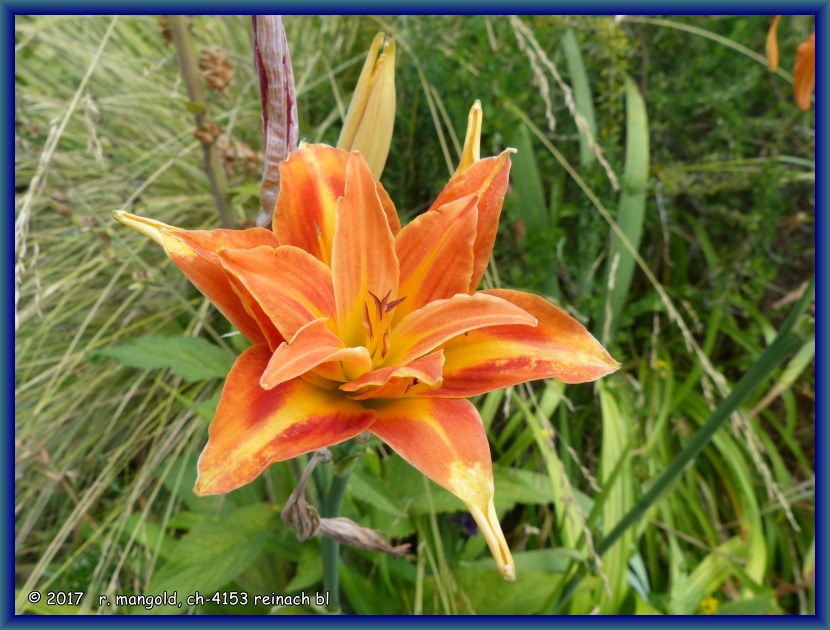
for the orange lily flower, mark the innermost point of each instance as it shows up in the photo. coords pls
(805, 72)
(358, 324)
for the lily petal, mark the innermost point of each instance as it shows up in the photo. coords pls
(445, 440)
(436, 323)
(194, 252)
(435, 251)
(363, 252)
(491, 358)
(312, 179)
(394, 381)
(292, 287)
(488, 178)
(254, 428)
(312, 345)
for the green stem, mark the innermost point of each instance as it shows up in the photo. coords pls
(786, 342)
(331, 548)
(189, 67)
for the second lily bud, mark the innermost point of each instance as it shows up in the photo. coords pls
(371, 115)
(472, 142)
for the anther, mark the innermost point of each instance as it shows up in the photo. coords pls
(394, 303)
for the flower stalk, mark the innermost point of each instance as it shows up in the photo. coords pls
(189, 67)
(331, 547)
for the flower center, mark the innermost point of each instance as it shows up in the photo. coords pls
(377, 325)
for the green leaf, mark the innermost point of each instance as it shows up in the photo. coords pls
(619, 491)
(527, 197)
(707, 577)
(215, 552)
(630, 214)
(309, 568)
(192, 358)
(582, 94)
(553, 560)
(363, 595)
(366, 488)
(483, 591)
(761, 605)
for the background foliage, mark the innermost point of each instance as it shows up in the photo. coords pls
(715, 173)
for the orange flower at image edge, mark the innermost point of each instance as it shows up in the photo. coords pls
(358, 324)
(804, 70)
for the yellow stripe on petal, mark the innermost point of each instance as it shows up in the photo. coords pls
(292, 287)
(363, 253)
(254, 428)
(194, 252)
(435, 251)
(487, 178)
(438, 322)
(312, 179)
(445, 440)
(492, 358)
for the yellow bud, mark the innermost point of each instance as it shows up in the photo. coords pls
(371, 115)
(472, 143)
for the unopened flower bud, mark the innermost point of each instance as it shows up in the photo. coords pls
(371, 116)
(472, 143)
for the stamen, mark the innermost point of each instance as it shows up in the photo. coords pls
(378, 303)
(394, 303)
(385, 348)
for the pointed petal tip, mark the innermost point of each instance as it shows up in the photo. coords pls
(148, 227)
(199, 489)
(489, 526)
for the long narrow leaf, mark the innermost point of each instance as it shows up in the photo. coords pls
(582, 95)
(630, 215)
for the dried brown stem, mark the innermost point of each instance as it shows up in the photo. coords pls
(190, 71)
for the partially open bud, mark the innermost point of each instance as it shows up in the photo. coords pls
(472, 143)
(371, 115)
